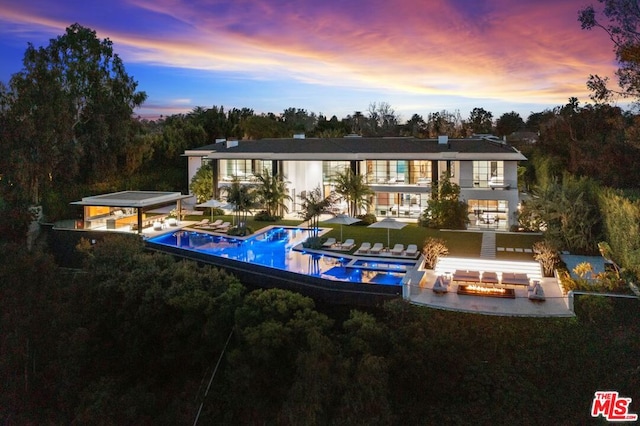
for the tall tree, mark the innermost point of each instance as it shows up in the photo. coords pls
(508, 123)
(70, 105)
(272, 192)
(445, 209)
(480, 120)
(354, 190)
(620, 21)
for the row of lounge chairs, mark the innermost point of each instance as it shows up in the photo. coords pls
(217, 226)
(367, 248)
(397, 250)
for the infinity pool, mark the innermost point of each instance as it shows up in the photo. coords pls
(275, 248)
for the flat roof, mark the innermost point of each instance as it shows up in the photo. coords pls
(138, 199)
(361, 148)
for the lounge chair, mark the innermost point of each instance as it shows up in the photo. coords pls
(364, 248)
(329, 243)
(411, 251)
(224, 227)
(376, 249)
(203, 222)
(348, 244)
(157, 226)
(537, 293)
(397, 249)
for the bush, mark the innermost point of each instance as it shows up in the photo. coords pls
(366, 219)
(314, 242)
(434, 248)
(240, 232)
(263, 216)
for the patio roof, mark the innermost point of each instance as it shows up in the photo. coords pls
(137, 199)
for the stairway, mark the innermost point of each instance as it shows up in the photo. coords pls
(488, 247)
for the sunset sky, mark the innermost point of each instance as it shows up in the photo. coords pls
(332, 57)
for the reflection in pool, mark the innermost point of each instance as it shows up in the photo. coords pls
(274, 248)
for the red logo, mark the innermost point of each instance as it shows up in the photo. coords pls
(612, 407)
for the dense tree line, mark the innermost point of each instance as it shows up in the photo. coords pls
(133, 338)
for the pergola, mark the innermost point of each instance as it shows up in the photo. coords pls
(100, 207)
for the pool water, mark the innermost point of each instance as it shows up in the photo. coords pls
(274, 248)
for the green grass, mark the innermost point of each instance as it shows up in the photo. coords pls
(460, 243)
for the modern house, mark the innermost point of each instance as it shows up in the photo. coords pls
(400, 170)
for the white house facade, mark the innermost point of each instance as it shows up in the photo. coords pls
(399, 170)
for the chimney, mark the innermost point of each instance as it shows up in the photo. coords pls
(220, 140)
(443, 140)
(298, 136)
(231, 144)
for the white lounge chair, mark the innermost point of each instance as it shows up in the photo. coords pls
(364, 248)
(348, 244)
(411, 251)
(203, 222)
(329, 243)
(224, 227)
(376, 249)
(157, 226)
(397, 249)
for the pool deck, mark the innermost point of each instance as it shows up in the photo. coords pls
(422, 294)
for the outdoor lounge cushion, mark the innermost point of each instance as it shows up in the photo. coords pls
(364, 248)
(330, 242)
(412, 250)
(377, 248)
(348, 244)
(397, 249)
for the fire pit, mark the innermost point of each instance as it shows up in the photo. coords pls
(478, 290)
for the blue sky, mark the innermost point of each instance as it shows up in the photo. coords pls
(332, 57)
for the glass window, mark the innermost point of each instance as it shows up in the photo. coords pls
(331, 168)
(484, 171)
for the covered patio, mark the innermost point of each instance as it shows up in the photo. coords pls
(128, 210)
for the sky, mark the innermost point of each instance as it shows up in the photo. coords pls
(331, 57)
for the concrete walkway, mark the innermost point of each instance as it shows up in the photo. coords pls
(488, 247)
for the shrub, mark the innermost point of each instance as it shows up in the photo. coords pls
(547, 255)
(314, 242)
(263, 216)
(366, 219)
(433, 249)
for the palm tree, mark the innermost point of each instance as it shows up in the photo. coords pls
(243, 198)
(354, 190)
(272, 192)
(313, 205)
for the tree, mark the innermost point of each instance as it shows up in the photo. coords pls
(621, 19)
(382, 120)
(243, 198)
(415, 127)
(445, 209)
(202, 183)
(354, 190)
(434, 249)
(481, 121)
(313, 205)
(508, 123)
(272, 192)
(70, 109)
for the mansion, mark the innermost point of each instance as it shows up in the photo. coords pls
(399, 170)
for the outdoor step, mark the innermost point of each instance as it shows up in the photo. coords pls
(488, 247)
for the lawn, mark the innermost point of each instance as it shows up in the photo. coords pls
(460, 243)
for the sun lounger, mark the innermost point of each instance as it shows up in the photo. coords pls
(223, 228)
(329, 243)
(348, 244)
(397, 249)
(203, 222)
(376, 249)
(364, 248)
(411, 251)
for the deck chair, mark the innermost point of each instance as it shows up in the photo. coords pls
(348, 244)
(364, 248)
(377, 248)
(397, 249)
(411, 251)
(329, 243)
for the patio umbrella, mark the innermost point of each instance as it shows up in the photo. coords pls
(389, 223)
(342, 219)
(213, 204)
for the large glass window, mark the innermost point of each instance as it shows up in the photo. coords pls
(387, 171)
(486, 171)
(400, 204)
(331, 168)
(489, 213)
